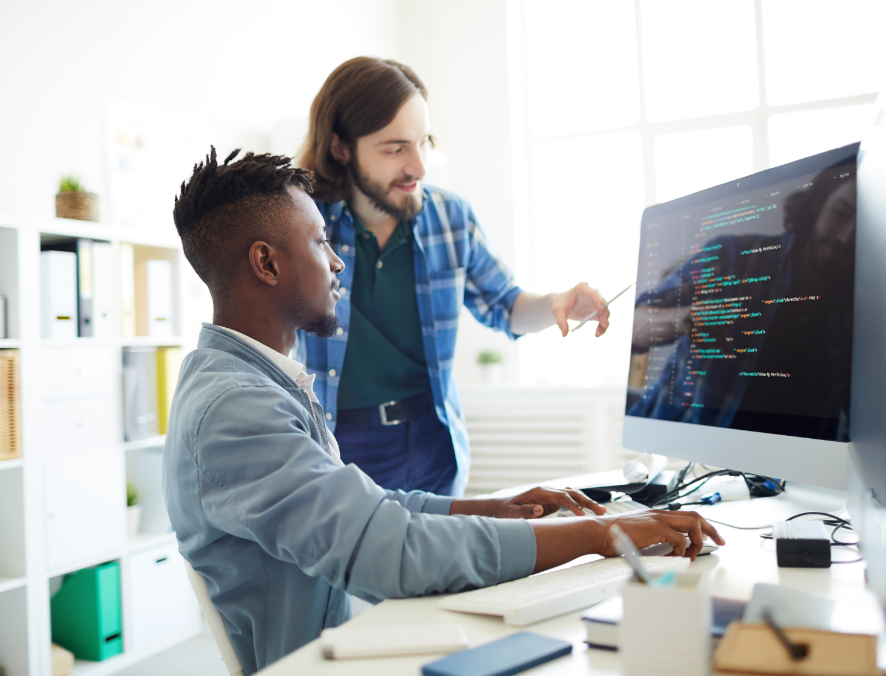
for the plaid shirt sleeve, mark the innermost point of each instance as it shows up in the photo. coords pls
(489, 288)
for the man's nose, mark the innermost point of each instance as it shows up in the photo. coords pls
(416, 166)
(336, 264)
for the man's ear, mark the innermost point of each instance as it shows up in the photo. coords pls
(339, 150)
(264, 260)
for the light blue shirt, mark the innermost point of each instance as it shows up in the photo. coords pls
(454, 265)
(281, 532)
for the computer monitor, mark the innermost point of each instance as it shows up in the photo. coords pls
(867, 451)
(742, 330)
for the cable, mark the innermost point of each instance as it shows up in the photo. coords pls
(672, 494)
(758, 485)
(729, 525)
(837, 543)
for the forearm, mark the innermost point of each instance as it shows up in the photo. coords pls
(557, 542)
(475, 507)
(532, 312)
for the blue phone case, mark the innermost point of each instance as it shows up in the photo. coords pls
(509, 655)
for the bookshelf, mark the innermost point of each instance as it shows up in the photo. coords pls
(63, 502)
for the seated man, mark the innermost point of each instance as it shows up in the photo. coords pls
(261, 503)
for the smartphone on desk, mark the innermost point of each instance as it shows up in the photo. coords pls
(509, 655)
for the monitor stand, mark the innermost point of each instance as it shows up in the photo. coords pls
(796, 498)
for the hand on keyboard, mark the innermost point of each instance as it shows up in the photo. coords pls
(532, 504)
(685, 531)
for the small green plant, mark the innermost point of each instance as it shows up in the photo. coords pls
(132, 494)
(70, 183)
(489, 357)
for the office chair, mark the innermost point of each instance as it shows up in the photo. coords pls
(215, 622)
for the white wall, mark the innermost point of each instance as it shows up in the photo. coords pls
(239, 66)
(460, 50)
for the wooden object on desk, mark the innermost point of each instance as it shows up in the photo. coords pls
(755, 649)
(10, 414)
(62, 661)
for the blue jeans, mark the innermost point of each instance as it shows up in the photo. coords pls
(412, 455)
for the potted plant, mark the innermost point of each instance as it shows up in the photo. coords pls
(73, 201)
(490, 363)
(133, 509)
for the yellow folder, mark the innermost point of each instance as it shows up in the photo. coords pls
(169, 362)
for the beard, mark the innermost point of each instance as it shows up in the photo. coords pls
(317, 324)
(322, 326)
(378, 194)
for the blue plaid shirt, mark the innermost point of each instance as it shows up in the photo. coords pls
(454, 265)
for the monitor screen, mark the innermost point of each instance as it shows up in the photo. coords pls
(743, 317)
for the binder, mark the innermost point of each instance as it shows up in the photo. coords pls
(103, 290)
(58, 295)
(127, 290)
(169, 362)
(139, 393)
(82, 249)
(85, 613)
(153, 298)
(4, 322)
(159, 273)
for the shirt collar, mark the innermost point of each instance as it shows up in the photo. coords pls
(290, 367)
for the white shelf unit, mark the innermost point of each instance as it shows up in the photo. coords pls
(62, 504)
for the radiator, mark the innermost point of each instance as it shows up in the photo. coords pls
(530, 435)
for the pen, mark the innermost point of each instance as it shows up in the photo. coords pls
(797, 651)
(597, 312)
(625, 547)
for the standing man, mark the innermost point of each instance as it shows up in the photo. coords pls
(413, 254)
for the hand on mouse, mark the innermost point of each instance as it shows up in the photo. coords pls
(657, 526)
(532, 504)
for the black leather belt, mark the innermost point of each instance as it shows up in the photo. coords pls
(390, 413)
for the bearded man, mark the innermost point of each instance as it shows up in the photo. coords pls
(413, 254)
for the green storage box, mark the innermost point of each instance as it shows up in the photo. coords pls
(86, 613)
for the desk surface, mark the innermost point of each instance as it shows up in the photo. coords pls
(736, 568)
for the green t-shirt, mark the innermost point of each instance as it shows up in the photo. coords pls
(385, 357)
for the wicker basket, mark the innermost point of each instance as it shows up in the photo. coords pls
(10, 414)
(82, 206)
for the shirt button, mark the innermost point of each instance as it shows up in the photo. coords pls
(339, 331)
(379, 265)
(365, 235)
(329, 416)
(345, 248)
(332, 373)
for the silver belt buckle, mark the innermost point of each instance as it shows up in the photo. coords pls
(383, 414)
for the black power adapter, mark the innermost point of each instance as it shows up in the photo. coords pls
(801, 544)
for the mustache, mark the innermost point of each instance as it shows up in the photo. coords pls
(335, 284)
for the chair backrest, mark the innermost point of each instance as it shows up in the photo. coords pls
(215, 621)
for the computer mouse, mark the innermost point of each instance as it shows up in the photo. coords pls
(663, 549)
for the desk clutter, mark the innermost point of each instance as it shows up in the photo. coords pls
(659, 629)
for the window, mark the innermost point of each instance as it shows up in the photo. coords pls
(631, 103)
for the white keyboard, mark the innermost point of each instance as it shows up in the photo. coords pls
(614, 507)
(546, 595)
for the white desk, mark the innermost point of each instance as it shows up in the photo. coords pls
(744, 561)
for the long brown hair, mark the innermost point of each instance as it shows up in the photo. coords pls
(360, 97)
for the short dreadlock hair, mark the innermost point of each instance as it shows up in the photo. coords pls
(223, 210)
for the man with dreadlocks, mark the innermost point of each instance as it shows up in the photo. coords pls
(261, 503)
